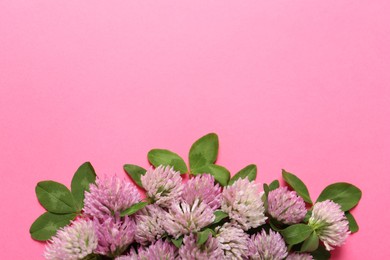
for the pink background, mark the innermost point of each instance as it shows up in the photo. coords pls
(301, 85)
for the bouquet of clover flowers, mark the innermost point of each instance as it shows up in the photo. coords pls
(211, 216)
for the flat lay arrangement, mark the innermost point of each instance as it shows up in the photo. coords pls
(200, 211)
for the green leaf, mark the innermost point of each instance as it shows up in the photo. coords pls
(274, 225)
(84, 176)
(307, 216)
(159, 157)
(353, 226)
(203, 236)
(46, 225)
(311, 243)
(264, 198)
(266, 189)
(134, 208)
(204, 151)
(135, 172)
(92, 257)
(219, 215)
(249, 171)
(221, 174)
(345, 194)
(177, 242)
(274, 185)
(297, 233)
(297, 185)
(321, 253)
(55, 197)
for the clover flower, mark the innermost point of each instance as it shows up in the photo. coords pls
(264, 247)
(72, 242)
(286, 206)
(159, 250)
(131, 256)
(233, 241)
(115, 234)
(209, 250)
(243, 203)
(183, 218)
(330, 223)
(109, 196)
(149, 224)
(163, 185)
(202, 187)
(299, 256)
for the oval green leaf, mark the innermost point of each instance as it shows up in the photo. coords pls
(55, 197)
(311, 243)
(219, 216)
(274, 185)
(353, 225)
(135, 172)
(203, 236)
(84, 176)
(249, 172)
(296, 234)
(297, 185)
(220, 174)
(204, 151)
(321, 253)
(345, 194)
(134, 208)
(177, 242)
(46, 225)
(159, 157)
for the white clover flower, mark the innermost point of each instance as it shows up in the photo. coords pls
(72, 242)
(233, 241)
(330, 223)
(183, 219)
(242, 201)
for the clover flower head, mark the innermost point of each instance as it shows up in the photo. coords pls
(109, 196)
(330, 223)
(286, 206)
(115, 234)
(263, 246)
(158, 250)
(72, 242)
(209, 250)
(242, 201)
(184, 218)
(202, 187)
(233, 241)
(163, 185)
(299, 256)
(149, 224)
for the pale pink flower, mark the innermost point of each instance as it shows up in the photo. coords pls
(330, 223)
(115, 234)
(202, 187)
(72, 242)
(242, 201)
(184, 218)
(263, 246)
(163, 185)
(286, 206)
(158, 250)
(233, 241)
(109, 196)
(299, 256)
(149, 224)
(209, 250)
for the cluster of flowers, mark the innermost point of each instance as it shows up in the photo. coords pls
(169, 226)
